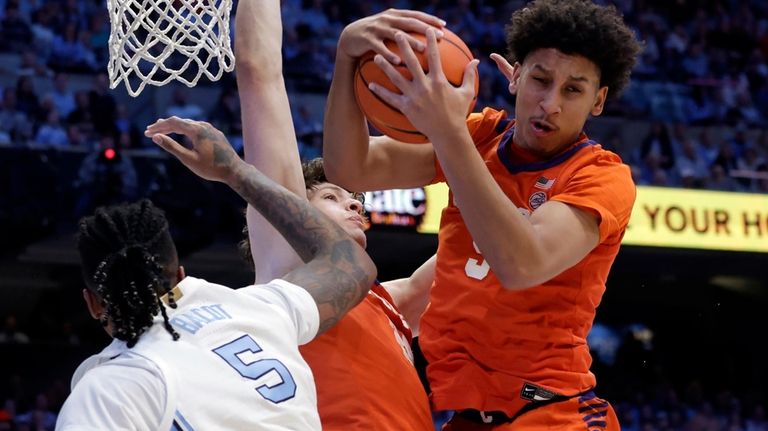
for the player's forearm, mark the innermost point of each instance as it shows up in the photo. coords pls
(505, 238)
(345, 131)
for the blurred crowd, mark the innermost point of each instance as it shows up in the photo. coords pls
(701, 84)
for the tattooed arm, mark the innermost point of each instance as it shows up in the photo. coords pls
(337, 271)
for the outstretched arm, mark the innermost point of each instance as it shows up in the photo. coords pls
(337, 273)
(411, 295)
(268, 134)
(351, 160)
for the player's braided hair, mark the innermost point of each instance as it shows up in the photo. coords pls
(126, 253)
(576, 27)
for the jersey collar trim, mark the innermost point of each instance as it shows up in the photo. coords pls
(503, 154)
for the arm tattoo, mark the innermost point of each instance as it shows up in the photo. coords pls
(223, 154)
(338, 272)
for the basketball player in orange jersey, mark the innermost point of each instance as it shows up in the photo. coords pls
(535, 217)
(363, 366)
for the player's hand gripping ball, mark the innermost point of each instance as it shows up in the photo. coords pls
(454, 56)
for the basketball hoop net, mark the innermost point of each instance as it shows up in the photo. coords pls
(157, 41)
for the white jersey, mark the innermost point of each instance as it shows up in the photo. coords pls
(236, 366)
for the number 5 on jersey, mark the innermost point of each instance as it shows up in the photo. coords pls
(477, 269)
(255, 370)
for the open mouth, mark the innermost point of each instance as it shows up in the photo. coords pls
(541, 127)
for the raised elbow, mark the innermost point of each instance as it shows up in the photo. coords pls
(253, 70)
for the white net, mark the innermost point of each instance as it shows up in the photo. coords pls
(156, 41)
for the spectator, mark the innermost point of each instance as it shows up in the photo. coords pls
(226, 113)
(306, 123)
(69, 54)
(82, 116)
(31, 65)
(52, 134)
(720, 180)
(129, 135)
(657, 144)
(42, 29)
(182, 108)
(696, 62)
(76, 138)
(103, 106)
(15, 125)
(27, 100)
(39, 418)
(63, 98)
(11, 334)
(757, 421)
(15, 34)
(691, 166)
(700, 108)
(106, 176)
(748, 164)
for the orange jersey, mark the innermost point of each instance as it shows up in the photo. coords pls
(364, 371)
(484, 342)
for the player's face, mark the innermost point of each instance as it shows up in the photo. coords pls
(342, 207)
(556, 93)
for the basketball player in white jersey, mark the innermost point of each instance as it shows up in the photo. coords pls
(192, 355)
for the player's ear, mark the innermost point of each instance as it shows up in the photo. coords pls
(514, 81)
(93, 303)
(597, 107)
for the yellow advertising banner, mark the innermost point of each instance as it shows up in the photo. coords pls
(665, 217)
(669, 217)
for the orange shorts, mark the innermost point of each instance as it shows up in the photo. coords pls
(581, 413)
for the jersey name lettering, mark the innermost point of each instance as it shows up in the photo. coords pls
(191, 321)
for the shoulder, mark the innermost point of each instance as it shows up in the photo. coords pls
(291, 301)
(125, 392)
(489, 122)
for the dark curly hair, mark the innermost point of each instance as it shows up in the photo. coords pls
(576, 27)
(314, 175)
(129, 260)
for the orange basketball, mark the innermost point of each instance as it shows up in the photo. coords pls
(454, 55)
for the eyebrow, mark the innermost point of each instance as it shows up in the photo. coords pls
(331, 187)
(571, 78)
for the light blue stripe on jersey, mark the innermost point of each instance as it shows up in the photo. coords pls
(180, 423)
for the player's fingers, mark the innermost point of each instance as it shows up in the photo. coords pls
(173, 125)
(470, 75)
(411, 25)
(393, 74)
(409, 57)
(380, 47)
(433, 56)
(393, 99)
(168, 144)
(420, 16)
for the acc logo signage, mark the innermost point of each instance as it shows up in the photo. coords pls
(399, 207)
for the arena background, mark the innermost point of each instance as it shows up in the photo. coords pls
(679, 340)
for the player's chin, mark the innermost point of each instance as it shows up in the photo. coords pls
(358, 234)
